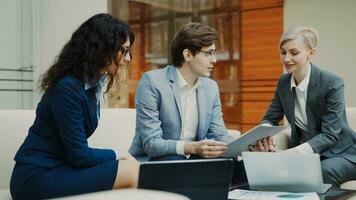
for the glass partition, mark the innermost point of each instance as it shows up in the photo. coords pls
(155, 22)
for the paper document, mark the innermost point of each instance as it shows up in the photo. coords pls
(264, 195)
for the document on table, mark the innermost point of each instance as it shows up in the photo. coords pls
(265, 195)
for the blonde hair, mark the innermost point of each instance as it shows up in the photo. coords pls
(309, 35)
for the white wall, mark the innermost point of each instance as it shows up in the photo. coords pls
(54, 21)
(10, 21)
(15, 54)
(335, 21)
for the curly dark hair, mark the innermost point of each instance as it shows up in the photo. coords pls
(92, 48)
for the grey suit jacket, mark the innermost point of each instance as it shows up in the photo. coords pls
(159, 120)
(329, 133)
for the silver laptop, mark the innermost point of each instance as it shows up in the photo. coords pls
(290, 172)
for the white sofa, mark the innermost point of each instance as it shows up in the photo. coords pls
(116, 130)
(117, 124)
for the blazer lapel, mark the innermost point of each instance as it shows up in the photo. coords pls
(294, 135)
(201, 113)
(290, 96)
(312, 97)
(92, 122)
(172, 74)
(289, 99)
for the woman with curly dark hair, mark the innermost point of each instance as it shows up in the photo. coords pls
(55, 159)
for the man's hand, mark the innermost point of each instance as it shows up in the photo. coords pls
(205, 148)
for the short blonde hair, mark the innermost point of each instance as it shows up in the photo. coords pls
(309, 35)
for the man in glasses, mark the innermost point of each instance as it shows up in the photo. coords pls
(178, 107)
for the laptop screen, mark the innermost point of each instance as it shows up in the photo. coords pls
(197, 179)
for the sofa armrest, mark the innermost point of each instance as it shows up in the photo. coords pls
(351, 117)
(5, 194)
(282, 139)
(349, 185)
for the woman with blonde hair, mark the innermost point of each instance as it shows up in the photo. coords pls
(312, 100)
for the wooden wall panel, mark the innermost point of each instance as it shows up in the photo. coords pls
(261, 27)
(258, 82)
(260, 4)
(261, 30)
(254, 111)
(246, 84)
(231, 115)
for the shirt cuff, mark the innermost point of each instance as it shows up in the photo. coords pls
(303, 148)
(180, 148)
(265, 124)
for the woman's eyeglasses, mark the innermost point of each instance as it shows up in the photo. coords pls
(125, 50)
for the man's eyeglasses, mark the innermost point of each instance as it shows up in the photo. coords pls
(210, 54)
(124, 51)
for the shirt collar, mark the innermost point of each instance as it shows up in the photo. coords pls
(100, 83)
(182, 83)
(305, 82)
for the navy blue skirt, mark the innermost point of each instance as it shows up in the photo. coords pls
(35, 182)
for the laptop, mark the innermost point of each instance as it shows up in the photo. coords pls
(207, 179)
(290, 172)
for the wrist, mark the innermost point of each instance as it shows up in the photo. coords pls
(190, 147)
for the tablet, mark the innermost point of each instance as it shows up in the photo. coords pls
(236, 147)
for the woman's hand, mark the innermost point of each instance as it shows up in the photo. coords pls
(266, 144)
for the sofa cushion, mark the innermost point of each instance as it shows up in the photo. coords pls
(14, 128)
(116, 130)
(5, 194)
(351, 117)
(350, 185)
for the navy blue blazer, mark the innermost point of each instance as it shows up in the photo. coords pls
(329, 133)
(65, 117)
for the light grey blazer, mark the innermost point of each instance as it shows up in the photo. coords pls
(329, 133)
(158, 114)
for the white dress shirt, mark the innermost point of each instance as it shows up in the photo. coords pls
(300, 114)
(189, 106)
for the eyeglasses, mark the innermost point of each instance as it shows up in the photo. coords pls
(125, 50)
(210, 54)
